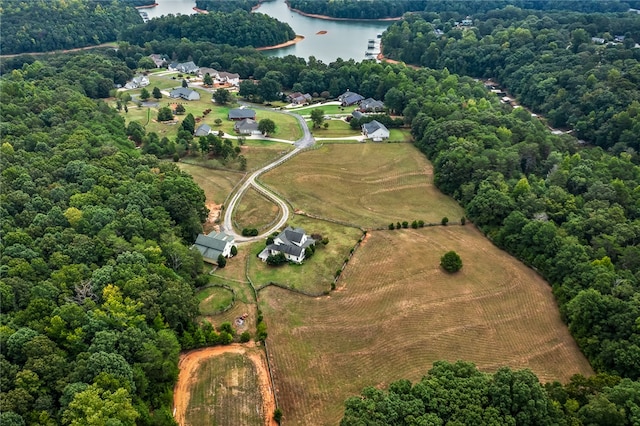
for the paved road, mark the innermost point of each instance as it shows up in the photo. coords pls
(305, 141)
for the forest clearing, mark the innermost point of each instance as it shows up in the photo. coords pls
(395, 312)
(224, 385)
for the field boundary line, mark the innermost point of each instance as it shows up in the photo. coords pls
(226, 287)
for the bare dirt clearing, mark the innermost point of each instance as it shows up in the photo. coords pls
(396, 312)
(193, 375)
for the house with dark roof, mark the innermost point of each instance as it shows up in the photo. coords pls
(205, 70)
(375, 131)
(291, 242)
(203, 130)
(357, 114)
(185, 93)
(349, 98)
(371, 105)
(228, 78)
(247, 127)
(159, 60)
(237, 114)
(213, 245)
(298, 98)
(184, 67)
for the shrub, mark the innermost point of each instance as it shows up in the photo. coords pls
(451, 262)
(421, 223)
(249, 232)
(276, 259)
(444, 221)
(325, 241)
(405, 224)
(277, 415)
(414, 224)
(391, 226)
(398, 225)
(222, 262)
(234, 250)
(463, 220)
(245, 337)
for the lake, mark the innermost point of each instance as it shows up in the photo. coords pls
(343, 39)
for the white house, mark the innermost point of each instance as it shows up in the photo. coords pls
(375, 131)
(213, 245)
(228, 78)
(291, 242)
(137, 82)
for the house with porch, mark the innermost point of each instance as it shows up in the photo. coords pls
(184, 67)
(159, 60)
(213, 245)
(238, 114)
(247, 126)
(371, 105)
(228, 78)
(291, 242)
(375, 131)
(298, 98)
(184, 93)
(137, 82)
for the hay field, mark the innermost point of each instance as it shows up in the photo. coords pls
(226, 392)
(395, 312)
(255, 211)
(369, 184)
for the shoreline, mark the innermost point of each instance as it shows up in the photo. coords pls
(330, 18)
(146, 6)
(298, 39)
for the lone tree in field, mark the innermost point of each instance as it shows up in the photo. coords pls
(451, 262)
(156, 93)
(144, 94)
(317, 117)
(222, 96)
(165, 114)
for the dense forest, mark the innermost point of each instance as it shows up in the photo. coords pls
(379, 9)
(97, 284)
(458, 394)
(45, 25)
(226, 5)
(547, 60)
(239, 28)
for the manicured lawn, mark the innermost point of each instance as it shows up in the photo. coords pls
(337, 129)
(226, 391)
(315, 275)
(368, 184)
(327, 109)
(255, 211)
(214, 299)
(395, 312)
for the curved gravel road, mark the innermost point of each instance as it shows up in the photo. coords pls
(305, 141)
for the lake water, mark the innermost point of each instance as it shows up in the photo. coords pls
(343, 39)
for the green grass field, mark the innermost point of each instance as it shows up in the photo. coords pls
(317, 273)
(214, 299)
(336, 129)
(395, 312)
(226, 392)
(255, 211)
(326, 109)
(368, 184)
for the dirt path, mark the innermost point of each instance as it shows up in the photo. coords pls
(190, 362)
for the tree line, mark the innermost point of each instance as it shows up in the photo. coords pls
(380, 9)
(546, 59)
(47, 25)
(238, 28)
(459, 394)
(96, 283)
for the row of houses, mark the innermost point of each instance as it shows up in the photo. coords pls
(291, 242)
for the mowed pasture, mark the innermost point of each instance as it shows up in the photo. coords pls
(395, 312)
(225, 391)
(255, 211)
(370, 184)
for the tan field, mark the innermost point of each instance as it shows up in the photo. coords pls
(395, 312)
